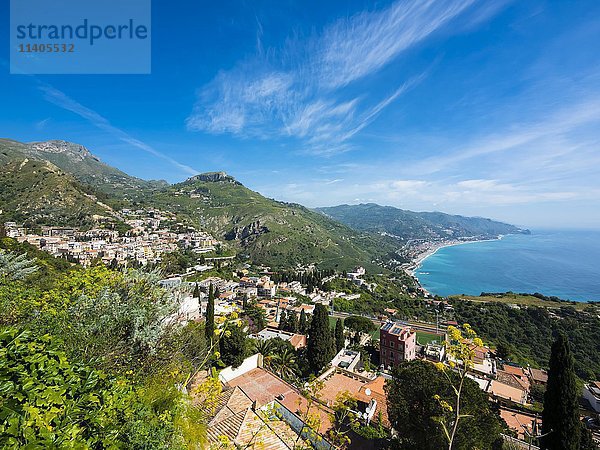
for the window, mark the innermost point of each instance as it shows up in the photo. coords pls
(392, 344)
(391, 355)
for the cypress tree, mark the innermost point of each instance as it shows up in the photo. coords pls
(209, 327)
(332, 343)
(283, 320)
(303, 325)
(196, 293)
(339, 335)
(560, 417)
(320, 340)
(292, 322)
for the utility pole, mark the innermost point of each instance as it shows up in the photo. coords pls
(533, 435)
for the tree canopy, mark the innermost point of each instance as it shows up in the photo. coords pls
(414, 410)
(360, 324)
(320, 344)
(560, 418)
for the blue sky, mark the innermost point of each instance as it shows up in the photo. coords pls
(487, 108)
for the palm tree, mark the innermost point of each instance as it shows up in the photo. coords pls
(285, 365)
(265, 348)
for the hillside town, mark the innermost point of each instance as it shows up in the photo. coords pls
(262, 400)
(150, 234)
(254, 392)
(267, 403)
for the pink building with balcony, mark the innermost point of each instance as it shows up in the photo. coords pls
(398, 342)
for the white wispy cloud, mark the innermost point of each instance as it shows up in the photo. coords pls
(362, 44)
(41, 124)
(300, 90)
(62, 100)
(535, 137)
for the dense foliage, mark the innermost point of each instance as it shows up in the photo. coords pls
(50, 401)
(339, 335)
(397, 291)
(415, 411)
(321, 345)
(209, 325)
(233, 348)
(526, 333)
(90, 359)
(310, 279)
(288, 321)
(360, 324)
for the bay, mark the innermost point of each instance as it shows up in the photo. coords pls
(561, 263)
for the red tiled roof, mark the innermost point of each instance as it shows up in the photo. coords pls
(264, 387)
(518, 371)
(541, 376)
(518, 421)
(377, 388)
(507, 392)
(339, 382)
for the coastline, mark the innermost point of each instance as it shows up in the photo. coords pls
(554, 264)
(417, 262)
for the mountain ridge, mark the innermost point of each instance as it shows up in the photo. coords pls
(408, 225)
(88, 168)
(264, 230)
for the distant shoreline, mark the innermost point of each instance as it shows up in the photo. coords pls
(420, 259)
(561, 265)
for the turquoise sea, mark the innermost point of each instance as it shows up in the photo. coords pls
(565, 264)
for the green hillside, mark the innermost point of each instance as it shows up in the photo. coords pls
(12, 150)
(269, 231)
(62, 183)
(85, 167)
(37, 192)
(263, 230)
(408, 225)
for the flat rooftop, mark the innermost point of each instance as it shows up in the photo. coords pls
(338, 383)
(269, 333)
(396, 328)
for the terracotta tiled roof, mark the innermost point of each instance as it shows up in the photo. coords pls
(264, 387)
(339, 382)
(518, 371)
(231, 402)
(507, 392)
(377, 390)
(298, 341)
(540, 376)
(229, 427)
(512, 380)
(234, 418)
(519, 421)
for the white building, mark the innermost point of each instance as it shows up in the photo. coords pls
(591, 392)
(189, 309)
(346, 359)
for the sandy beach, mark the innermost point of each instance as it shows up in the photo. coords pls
(421, 257)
